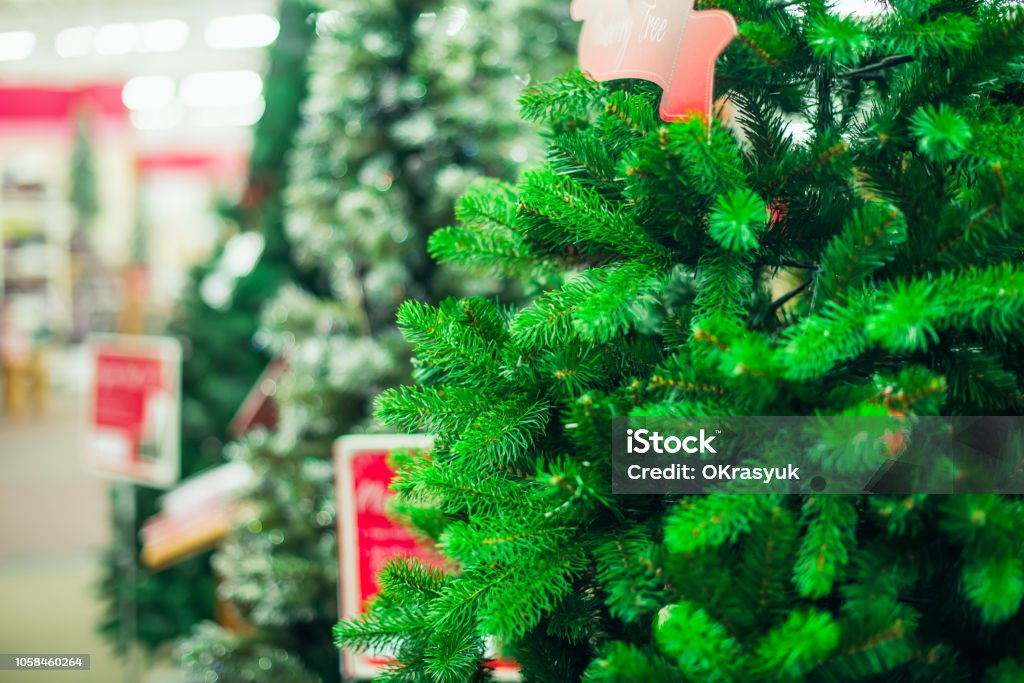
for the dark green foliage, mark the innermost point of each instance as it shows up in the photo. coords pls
(221, 361)
(883, 278)
(82, 194)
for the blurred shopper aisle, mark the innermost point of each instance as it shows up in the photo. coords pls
(53, 526)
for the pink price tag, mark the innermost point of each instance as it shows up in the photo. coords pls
(662, 41)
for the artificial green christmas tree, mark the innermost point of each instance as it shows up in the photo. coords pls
(220, 361)
(83, 193)
(409, 102)
(86, 268)
(872, 164)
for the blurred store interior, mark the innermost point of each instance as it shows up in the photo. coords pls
(258, 258)
(123, 126)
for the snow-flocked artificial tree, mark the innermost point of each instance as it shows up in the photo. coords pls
(409, 102)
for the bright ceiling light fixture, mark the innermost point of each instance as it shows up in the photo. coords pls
(157, 119)
(16, 45)
(228, 117)
(117, 39)
(242, 30)
(148, 92)
(221, 88)
(166, 35)
(75, 41)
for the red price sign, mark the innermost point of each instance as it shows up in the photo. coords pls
(132, 409)
(368, 538)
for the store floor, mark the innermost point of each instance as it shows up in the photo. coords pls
(54, 521)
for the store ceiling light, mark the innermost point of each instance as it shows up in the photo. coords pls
(148, 92)
(117, 39)
(157, 119)
(166, 35)
(221, 88)
(75, 42)
(228, 117)
(15, 45)
(242, 30)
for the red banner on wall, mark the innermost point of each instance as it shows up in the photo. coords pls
(132, 411)
(53, 110)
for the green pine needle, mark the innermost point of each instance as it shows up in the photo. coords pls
(737, 219)
(842, 40)
(942, 134)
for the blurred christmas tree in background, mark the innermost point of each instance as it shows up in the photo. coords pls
(84, 200)
(848, 244)
(216, 321)
(408, 104)
(82, 192)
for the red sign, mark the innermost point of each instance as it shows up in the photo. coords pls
(663, 42)
(132, 429)
(368, 538)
